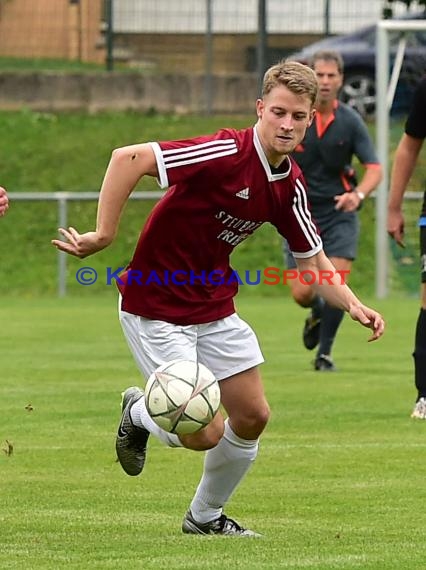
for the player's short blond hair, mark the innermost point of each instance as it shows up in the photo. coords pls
(297, 77)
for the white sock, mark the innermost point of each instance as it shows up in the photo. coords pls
(224, 467)
(141, 418)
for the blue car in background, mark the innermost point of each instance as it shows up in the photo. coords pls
(358, 50)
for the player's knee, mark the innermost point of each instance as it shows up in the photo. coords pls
(262, 417)
(250, 424)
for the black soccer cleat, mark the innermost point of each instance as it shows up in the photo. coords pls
(130, 443)
(311, 332)
(221, 526)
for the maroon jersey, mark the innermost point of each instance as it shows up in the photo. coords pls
(221, 190)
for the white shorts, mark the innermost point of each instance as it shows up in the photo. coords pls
(227, 346)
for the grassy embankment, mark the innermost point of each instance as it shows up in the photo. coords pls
(44, 152)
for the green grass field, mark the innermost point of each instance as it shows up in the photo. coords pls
(338, 482)
(45, 152)
(339, 478)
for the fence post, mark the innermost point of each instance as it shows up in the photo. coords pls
(62, 256)
(209, 57)
(261, 42)
(109, 34)
(382, 136)
(327, 18)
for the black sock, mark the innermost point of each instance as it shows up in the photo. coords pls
(330, 322)
(317, 306)
(419, 355)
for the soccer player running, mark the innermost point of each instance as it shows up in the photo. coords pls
(336, 135)
(403, 166)
(4, 201)
(221, 188)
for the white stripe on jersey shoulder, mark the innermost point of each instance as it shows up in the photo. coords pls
(199, 152)
(186, 153)
(266, 166)
(201, 157)
(185, 149)
(182, 156)
(303, 216)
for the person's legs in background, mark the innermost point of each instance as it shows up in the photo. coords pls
(419, 354)
(321, 326)
(304, 296)
(330, 322)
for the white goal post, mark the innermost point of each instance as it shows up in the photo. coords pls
(384, 97)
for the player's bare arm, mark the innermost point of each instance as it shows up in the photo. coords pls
(331, 286)
(403, 166)
(126, 167)
(4, 201)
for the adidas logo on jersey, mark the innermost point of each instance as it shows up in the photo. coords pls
(244, 193)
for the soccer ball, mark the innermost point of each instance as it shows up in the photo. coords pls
(182, 396)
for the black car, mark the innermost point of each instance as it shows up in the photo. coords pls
(358, 51)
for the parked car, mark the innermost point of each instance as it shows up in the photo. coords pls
(358, 50)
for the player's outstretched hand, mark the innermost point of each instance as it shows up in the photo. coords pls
(368, 318)
(4, 201)
(80, 245)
